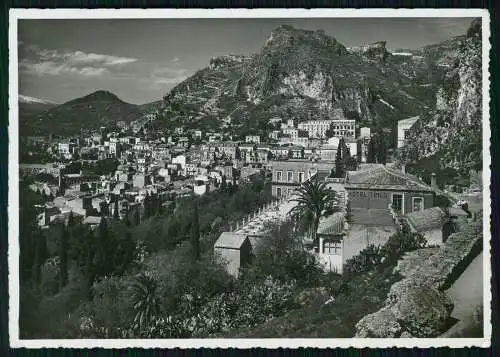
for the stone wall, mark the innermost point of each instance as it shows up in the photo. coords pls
(417, 305)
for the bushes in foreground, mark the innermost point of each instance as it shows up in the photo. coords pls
(372, 256)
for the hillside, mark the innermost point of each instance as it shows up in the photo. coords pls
(452, 131)
(29, 106)
(304, 74)
(100, 108)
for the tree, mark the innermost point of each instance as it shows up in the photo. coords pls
(147, 206)
(314, 200)
(86, 261)
(195, 235)
(223, 185)
(144, 300)
(124, 253)
(102, 260)
(137, 216)
(381, 150)
(371, 151)
(329, 132)
(116, 214)
(71, 219)
(63, 256)
(40, 256)
(339, 162)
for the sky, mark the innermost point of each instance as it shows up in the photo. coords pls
(140, 60)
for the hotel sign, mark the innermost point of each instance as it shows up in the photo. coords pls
(368, 194)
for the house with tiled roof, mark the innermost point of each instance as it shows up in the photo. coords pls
(430, 223)
(379, 187)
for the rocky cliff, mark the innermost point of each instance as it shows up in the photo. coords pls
(453, 129)
(304, 74)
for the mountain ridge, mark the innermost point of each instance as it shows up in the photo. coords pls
(99, 108)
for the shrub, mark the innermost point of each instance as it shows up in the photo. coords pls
(282, 256)
(399, 243)
(368, 258)
(108, 313)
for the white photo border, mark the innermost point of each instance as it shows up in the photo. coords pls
(13, 181)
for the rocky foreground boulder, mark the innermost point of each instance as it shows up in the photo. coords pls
(380, 324)
(423, 310)
(417, 306)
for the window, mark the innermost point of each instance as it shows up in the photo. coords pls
(397, 202)
(332, 248)
(278, 191)
(279, 175)
(418, 204)
(405, 133)
(289, 176)
(301, 177)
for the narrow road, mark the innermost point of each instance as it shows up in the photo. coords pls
(467, 296)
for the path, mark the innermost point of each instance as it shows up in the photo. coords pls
(467, 296)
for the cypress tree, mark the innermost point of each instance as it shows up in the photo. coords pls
(381, 150)
(71, 220)
(223, 185)
(339, 160)
(147, 206)
(63, 256)
(137, 216)
(371, 151)
(87, 263)
(124, 253)
(40, 256)
(116, 215)
(102, 248)
(195, 235)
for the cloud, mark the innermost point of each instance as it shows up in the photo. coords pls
(38, 61)
(79, 57)
(55, 69)
(168, 75)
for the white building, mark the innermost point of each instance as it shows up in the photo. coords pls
(344, 128)
(365, 132)
(403, 127)
(318, 128)
(114, 148)
(66, 148)
(252, 139)
(180, 160)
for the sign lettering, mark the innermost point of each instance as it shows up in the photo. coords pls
(369, 194)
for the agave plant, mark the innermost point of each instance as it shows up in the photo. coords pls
(144, 300)
(314, 200)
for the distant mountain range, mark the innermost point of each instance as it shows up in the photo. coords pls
(101, 108)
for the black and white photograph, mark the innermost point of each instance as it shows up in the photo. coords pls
(279, 178)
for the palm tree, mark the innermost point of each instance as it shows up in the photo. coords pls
(314, 200)
(145, 302)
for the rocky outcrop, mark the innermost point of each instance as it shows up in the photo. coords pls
(304, 74)
(420, 308)
(413, 260)
(452, 130)
(417, 305)
(381, 324)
